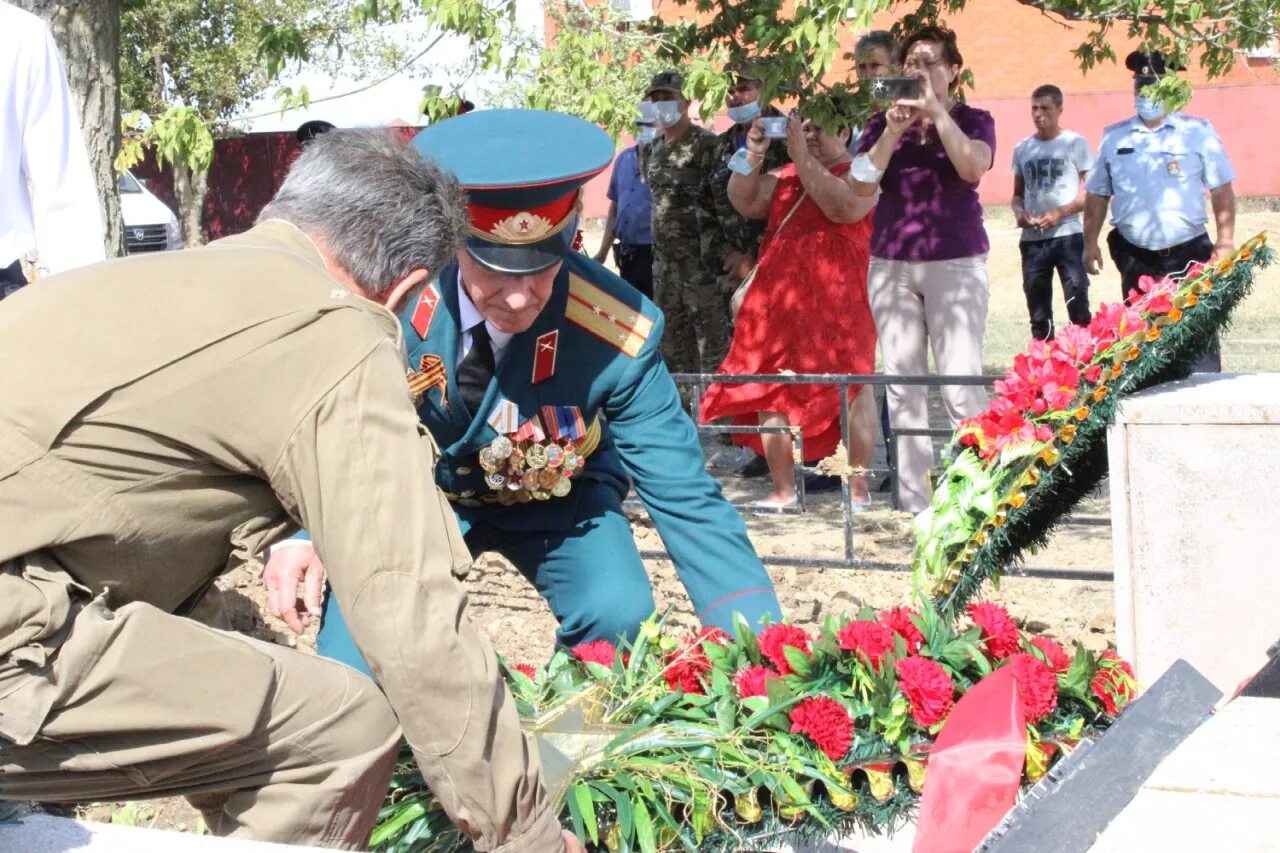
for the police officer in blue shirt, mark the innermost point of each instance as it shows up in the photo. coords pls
(1154, 170)
(539, 374)
(627, 226)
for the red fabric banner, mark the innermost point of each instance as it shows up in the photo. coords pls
(975, 767)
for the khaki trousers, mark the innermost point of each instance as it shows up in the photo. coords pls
(917, 306)
(269, 743)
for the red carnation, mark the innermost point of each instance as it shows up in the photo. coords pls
(870, 641)
(1113, 683)
(686, 666)
(998, 630)
(773, 639)
(1054, 653)
(899, 620)
(526, 669)
(1037, 686)
(751, 681)
(826, 722)
(712, 635)
(927, 687)
(597, 651)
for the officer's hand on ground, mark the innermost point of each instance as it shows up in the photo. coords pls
(287, 567)
(571, 842)
(1093, 259)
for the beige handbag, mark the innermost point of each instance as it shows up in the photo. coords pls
(740, 293)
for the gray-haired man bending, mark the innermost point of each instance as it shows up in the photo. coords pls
(209, 402)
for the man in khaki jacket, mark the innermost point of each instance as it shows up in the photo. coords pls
(166, 417)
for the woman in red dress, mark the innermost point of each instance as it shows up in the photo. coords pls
(806, 310)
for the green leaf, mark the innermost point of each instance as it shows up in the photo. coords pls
(582, 796)
(799, 661)
(575, 812)
(644, 828)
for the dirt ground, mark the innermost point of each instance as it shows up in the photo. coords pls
(520, 627)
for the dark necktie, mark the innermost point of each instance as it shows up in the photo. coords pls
(476, 369)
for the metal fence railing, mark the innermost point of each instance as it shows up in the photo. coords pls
(698, 382)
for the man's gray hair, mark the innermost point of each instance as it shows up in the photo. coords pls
(881, 39)
(379, 209)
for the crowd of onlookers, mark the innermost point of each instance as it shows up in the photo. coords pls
(782, 245)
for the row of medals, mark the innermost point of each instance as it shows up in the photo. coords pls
(522, 471)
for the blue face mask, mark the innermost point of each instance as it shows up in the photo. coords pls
(744, 113)
(1148, 109)
(668, 113)
(647, 134)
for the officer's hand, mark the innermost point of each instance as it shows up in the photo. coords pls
(286, 568)
(1093, 259)
(600, 256)
(571, 842)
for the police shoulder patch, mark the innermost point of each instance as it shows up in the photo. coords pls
(607, 317)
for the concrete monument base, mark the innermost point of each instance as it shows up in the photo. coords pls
(1195, 509)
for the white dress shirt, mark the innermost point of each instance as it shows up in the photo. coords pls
(470, 316)
(48, 197)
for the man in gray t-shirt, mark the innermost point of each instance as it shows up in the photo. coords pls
(1049, 168)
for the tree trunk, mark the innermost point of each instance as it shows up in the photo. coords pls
(190, 189)
(88, 36)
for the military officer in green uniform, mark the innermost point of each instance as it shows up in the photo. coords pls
(540, 377)
(678, 166)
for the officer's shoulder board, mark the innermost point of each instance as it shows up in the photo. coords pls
(608, 318)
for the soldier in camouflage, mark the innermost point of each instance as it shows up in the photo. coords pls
(734, 243)
(677, 166)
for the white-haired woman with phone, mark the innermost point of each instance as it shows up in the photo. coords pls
(928, 277)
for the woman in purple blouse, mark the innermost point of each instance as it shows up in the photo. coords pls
(928, 278)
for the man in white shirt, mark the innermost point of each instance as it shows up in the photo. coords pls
(1153, 170)
(1049, 169)
(47, 190)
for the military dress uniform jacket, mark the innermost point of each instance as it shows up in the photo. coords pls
(166, 417)
(595, 346)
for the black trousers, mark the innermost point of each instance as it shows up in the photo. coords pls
(635, 265)
(1133, 262)
(1040, 259)
(11, 278)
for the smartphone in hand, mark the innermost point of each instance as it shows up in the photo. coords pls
(895, 88)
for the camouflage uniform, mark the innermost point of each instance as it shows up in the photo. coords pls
(733, 231)
(684, 276)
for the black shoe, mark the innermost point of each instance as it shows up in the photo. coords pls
(757, 467)
(821, 483)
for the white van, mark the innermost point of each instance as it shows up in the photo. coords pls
(149, 225)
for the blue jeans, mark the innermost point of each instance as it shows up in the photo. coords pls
(1040, 258)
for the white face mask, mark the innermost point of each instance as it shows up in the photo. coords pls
(744, 113)
(668, 113)
(646, 134)
(648, 110)
(1149, 109)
